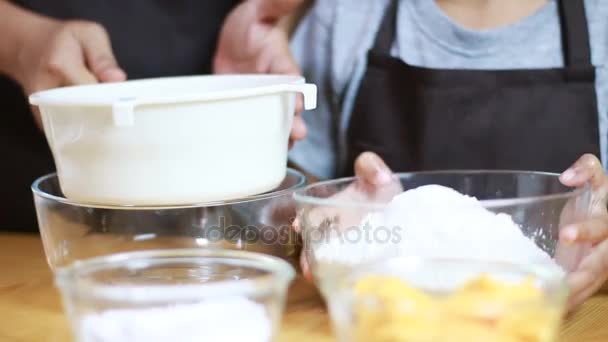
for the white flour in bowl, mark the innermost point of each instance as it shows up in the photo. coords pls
(218, 320)
(435, 222)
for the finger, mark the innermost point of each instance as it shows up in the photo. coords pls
(593, 231)
(97, 49)
(577, 301)
(66, 66)
(590, 276)
(298, 130)
(280, 60)
(112, 75)
(585, 293)
(578, 281)
(372, 169)
(284, 64)
(305, 267)
(597, 261)
(78, 74)
(296, 225)
(587, 169)
(72, 73)
(299, 104)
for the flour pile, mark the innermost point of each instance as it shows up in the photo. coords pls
(218, 320)
(436, 222)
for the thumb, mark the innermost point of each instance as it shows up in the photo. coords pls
(371, 168)
(98, 53)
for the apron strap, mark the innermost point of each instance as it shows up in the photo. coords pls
(388, 29)
(575, 32)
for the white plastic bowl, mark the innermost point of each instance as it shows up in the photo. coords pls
(170, 141)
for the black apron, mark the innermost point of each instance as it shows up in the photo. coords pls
(427, 119)
(150, 38)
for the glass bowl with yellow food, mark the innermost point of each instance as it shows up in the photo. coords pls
(411, 299)
(500, 216)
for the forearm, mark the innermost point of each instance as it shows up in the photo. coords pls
(17, 26)
(278, 8)
(291, 20)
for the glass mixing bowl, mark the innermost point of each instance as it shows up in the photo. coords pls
(74, 231)
(335, 210)
(426, 300)
(175, 295)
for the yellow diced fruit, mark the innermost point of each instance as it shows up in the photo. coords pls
(486, 309)
(531, 325)
(489, 299)
(459, 330)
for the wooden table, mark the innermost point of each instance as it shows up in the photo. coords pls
(31, 310)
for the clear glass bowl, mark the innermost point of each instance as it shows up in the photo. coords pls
(74, 231)
(428, 302)
(175, 295)
(537, 202)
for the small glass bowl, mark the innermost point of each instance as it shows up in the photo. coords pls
(537, 202)
(427, 309)
(175, 295)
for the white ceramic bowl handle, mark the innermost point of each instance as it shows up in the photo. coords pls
(122, 112)
(308, 91)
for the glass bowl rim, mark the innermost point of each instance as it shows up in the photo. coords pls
(301, 181)
(75, 276)
(300, 195)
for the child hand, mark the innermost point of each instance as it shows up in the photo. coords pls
(592, 271)
(374, 182)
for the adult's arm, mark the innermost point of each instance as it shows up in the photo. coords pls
(41, 52)
(255, 39)
(19, 27)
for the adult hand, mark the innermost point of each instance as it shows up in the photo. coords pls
(592, 272)
(66, 53)
(374, 183)
(253, 40)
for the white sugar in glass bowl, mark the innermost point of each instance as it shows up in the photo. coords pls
(175, 295)
(172, 141)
